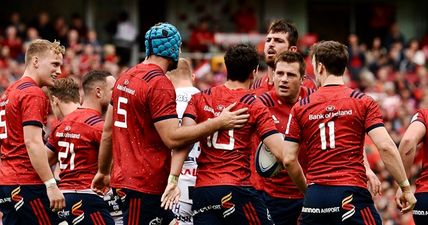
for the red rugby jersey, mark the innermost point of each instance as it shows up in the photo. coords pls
(22, 104)
(142, 96)
(76, 140)
(225, 155)
(332, 123)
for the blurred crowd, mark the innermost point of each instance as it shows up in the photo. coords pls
(391, 69)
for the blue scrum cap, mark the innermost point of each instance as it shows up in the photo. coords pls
(164, 40)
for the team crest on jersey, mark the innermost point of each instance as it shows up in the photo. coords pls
(228, 205)
(17, 198)
(220, 107)
(76, 210)
(350, 208)
(67, 128)
(329, 108)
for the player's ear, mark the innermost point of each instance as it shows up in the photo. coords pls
(35, 61)
(98, 92)
(293, 48)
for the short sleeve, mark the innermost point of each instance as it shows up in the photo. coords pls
(265, 125)
(34, 109)
(373, 116)
(419, 116)
(190, 111)
(293, 128)
(162, 100)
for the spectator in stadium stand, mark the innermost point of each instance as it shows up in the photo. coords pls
(13, 42)
(201, 37)
(44, 26)
(124, 38)
(357, 59)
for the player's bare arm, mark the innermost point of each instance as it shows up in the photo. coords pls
(408, 145)
(391, 159)
(101, 180)
(291, 164)
(172, 192)
(175, 137)
(373, 182)
(36, 152)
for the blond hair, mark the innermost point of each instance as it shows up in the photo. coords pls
(41, 46)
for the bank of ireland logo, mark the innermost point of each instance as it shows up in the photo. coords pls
(228, 205)
(78, 212)
(346, 205)
(18, 199)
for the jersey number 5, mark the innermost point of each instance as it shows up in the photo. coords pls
(330, 134)
(121, 111)
(3, 135)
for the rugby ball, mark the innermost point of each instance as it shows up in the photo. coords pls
(266, 163)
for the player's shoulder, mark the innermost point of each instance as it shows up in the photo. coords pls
(267, 99)
(248, 98)
(88, 117)
(26, 87)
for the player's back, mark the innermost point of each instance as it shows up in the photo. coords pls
(142, 96)
(76, 139)
(332, 123)
(422, 182)
(23, 103)
(225, 155)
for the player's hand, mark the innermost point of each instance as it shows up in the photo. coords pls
(235, 119)
(170, 195)
(56, 198)
(373, 183)
(405, 199)
(100, 183)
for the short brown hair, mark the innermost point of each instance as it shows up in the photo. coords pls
(41, 46)
(292, 57)
(332, 54)
(92, 77)
(66, 90)
(284, 26)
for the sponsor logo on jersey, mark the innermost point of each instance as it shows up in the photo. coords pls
(321, 210)
(329, 108)
(330, 114)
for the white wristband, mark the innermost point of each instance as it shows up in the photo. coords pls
(51, 182)
(404, 184)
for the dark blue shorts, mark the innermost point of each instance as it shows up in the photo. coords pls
(26, 205)
(229, 205)
(88, 209)
(144, 209)
(283, 211)
(338, 205)
(420, 212)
